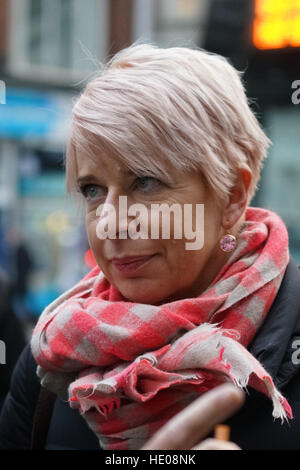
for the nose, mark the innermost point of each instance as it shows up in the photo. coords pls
(114, 211)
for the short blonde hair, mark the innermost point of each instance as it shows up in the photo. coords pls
(181, 106)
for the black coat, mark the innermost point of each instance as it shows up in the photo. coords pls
(253, 427)
(11, 333)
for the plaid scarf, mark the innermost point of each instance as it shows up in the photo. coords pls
(129, 367)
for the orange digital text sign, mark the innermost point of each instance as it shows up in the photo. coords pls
(276, 24)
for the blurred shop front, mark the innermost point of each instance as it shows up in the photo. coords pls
(42, 229)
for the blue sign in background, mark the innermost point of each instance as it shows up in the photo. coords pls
(44, 185)
(27, 113)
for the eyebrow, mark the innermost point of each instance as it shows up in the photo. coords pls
(85, 179)
(91, 177)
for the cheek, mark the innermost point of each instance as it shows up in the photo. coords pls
(212, 224)
(177, 259)
(187, 261)
(91, 226)
(191, 261)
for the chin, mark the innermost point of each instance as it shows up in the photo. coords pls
(142, 298)
(142, 294)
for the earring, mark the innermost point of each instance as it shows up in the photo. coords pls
(228, 243)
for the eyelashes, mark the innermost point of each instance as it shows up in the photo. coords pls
(142, 181)
(145, 184)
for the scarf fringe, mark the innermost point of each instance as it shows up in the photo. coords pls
(218, 345)
(281, 408)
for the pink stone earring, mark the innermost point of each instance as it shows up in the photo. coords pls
(228, 243)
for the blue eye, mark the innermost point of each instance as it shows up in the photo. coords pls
(91, 191)
(147, 183)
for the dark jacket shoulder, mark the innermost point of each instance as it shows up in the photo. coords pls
(277, 346)
(11, 333)
(18, 409)
(67, 430)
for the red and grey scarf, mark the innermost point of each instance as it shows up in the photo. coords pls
(129, 367)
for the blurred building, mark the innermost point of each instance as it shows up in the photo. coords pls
(262, 38)
(170, 22)
(49, 49)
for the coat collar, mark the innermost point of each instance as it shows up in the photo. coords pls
(273, 343)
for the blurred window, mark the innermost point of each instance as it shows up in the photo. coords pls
(57, 39)
(180, 21)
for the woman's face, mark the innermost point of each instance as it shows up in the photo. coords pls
(173, 272)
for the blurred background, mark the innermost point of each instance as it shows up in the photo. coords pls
(47, 53)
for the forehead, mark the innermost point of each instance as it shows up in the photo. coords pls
(106, 164)
(100, 164)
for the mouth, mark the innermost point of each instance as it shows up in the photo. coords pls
(130, 264)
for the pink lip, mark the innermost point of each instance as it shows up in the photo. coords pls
(131, 263)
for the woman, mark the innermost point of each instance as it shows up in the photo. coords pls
(157, 322)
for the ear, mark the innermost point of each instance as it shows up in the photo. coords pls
(238, 198)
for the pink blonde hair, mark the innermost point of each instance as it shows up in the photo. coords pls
(153, 107)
